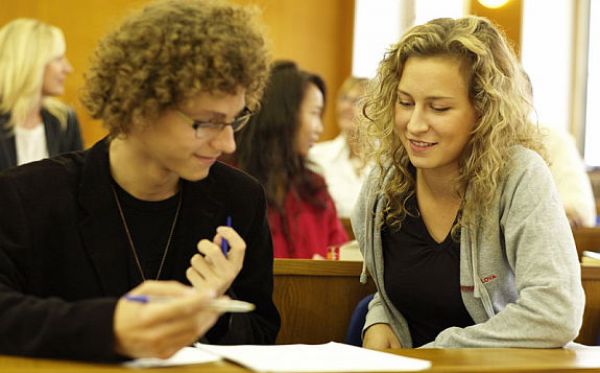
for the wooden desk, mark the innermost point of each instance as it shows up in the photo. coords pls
(348, 227)
(511, 360)
(587, 239)
(316, 298)
(447, 360)
(10, 364)
(590, 278)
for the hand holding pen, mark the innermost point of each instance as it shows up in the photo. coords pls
(159, 329)
(219, 261)
(224, 243)
(218, 305)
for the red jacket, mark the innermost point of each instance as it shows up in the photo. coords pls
(311, 228)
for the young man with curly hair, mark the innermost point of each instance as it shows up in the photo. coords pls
(143, 211)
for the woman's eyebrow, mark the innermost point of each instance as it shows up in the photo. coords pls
(404, 93)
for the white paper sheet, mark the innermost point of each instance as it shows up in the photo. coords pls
(329, 357)
(185, 356)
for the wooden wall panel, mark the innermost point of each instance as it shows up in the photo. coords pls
(508, 17)
(84, 23)
(317, 34)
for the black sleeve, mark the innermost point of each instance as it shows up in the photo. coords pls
(254, 284)
(36, 325)
(72, 135)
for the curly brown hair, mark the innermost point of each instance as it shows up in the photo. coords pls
(169, 52)
(498, 90)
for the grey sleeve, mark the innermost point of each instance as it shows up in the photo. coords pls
(540, 250)
(376, 313)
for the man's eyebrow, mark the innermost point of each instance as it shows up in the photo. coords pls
(207, 113)
(217, 114)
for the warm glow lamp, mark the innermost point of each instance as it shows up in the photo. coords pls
(493, 3)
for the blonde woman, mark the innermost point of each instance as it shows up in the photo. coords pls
(33, 67)
(339, 160)
(460, 224)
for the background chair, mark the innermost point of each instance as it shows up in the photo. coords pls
(357, 321)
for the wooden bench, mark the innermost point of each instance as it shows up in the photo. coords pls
(590, 277)
(587, 239)
(316, 299)
(348, 227)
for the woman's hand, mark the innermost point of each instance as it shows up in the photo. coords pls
(380, 337)
(213, 270)
(161, 328)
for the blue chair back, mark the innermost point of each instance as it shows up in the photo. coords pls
(357, 321)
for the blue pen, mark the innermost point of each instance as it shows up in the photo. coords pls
(224, 243)
(220, 305)
(145, 298)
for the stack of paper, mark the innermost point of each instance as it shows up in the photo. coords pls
(185, 356)
(329, 357)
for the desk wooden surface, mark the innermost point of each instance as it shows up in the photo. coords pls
(316, 298)
(508, 360)
(443, 360)
(587, 239)
(590, 278)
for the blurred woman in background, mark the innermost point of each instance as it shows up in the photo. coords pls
(338, 160)
(33, 67)
(273, 148)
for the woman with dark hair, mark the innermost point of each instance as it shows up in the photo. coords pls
(273, 148)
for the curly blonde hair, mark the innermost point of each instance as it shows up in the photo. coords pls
(498, 90)
(168, 53)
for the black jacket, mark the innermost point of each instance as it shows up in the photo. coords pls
(64, 255)
(58, 140)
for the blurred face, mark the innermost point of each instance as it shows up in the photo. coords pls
(310, 118)
(433, 115)
(347, 110)
(55, 74)
(171, 145)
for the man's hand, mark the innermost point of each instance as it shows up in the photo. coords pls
(159, 329)
(213, 270)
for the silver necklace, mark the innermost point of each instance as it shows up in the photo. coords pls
(132, 246)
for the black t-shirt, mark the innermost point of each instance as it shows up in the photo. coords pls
(422, 278)
(149, 223)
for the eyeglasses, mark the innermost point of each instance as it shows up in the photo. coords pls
(210, 128)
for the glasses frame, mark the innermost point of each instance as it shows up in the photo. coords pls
(198, 125)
